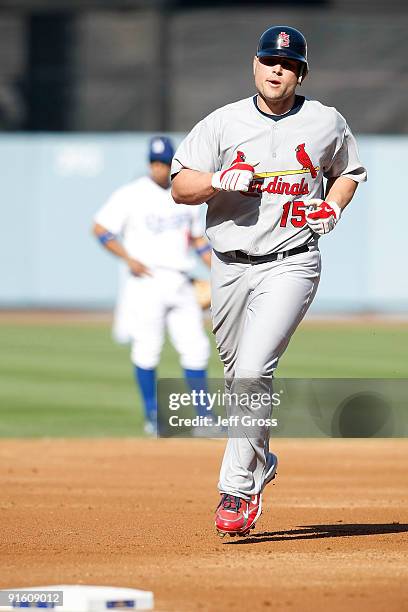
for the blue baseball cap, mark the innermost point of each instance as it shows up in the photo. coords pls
(161, 149)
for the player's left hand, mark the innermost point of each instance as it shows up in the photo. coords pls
(322, 216)
(137, 268)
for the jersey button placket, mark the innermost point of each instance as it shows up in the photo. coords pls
(273, 141)
(274, 145)
(264, 225)
(254, 248)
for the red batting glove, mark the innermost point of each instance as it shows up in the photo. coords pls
(322, 216)
(235, 178)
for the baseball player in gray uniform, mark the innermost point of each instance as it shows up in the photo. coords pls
(259, 163)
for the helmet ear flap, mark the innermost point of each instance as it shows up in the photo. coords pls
(302, 74)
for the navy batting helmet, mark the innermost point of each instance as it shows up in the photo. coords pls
(284, 41)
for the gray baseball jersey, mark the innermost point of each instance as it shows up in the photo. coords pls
(291, 154)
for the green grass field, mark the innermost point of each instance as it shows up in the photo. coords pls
(72, 380)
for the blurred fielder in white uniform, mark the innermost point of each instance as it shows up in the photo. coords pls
(141, 224)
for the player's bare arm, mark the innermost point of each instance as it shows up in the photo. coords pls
(112, 244)
(192, 187)
(341, 190)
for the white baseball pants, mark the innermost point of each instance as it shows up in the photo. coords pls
(255, 310)
(152, 304)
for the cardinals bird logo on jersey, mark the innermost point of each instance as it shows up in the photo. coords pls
(304, 160)
(240, 157)
(277, 185)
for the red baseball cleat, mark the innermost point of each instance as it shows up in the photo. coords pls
(232, 515)
(237, 516)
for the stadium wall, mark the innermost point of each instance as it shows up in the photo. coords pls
(52, 185)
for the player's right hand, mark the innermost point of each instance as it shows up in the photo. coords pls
(137, 268)
(322, 216)
(235, 178)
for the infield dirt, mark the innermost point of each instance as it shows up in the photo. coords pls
(139, 513)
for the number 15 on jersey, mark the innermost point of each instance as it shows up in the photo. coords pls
(294, 213)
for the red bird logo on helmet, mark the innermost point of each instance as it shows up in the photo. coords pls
(304, 159)
(283, 40)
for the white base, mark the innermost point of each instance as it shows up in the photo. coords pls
(85, 598)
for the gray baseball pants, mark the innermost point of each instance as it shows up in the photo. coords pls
(255, 310)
